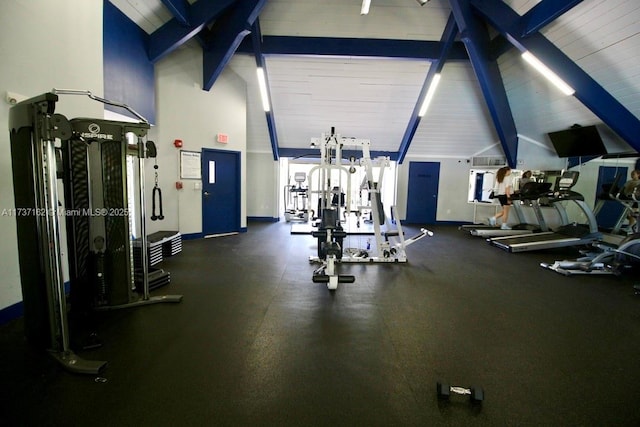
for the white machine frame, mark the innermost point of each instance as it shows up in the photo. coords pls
(391, 244)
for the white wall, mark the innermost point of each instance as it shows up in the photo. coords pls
(454, 178)
(41, 49)
(452, 189)
(186, 112)
(262, 185)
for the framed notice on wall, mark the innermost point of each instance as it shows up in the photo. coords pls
(190, 167)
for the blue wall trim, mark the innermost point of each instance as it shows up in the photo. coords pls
(12, 312)
(192, 236)
(128, 73)
(263, 219)
(16, 310)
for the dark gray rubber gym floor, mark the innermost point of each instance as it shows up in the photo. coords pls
(255, 342)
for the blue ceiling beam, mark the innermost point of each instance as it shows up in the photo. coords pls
(313, 153)
(179, 9)
(544, 13)
(448, 37)
(338, 46)
(226, 35)
(256, 36)
(588, 91)
(499, 46)
(534, 20)
(174, 34)
(475, 37)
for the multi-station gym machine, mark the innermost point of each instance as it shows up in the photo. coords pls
(390, 244)
(90, 158)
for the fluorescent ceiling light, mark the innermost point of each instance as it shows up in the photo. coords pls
(550, 75)
(432, 90)
(263, 89)
(365, 7)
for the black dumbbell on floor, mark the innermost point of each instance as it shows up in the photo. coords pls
(476, 394)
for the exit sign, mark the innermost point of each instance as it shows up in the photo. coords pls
(223, 138)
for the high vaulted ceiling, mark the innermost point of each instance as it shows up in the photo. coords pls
(327, 66)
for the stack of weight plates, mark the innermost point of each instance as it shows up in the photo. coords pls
(157, 278)
(172, 246)
(154, 253)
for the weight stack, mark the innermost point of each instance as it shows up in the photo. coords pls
(157, 278)
(173, 246)
(171, 242)
(154, 254)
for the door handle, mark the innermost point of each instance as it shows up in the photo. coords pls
(206, 194)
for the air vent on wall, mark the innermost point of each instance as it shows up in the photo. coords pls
(489, 161)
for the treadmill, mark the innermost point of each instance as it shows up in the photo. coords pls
(528, 194)
(566, 235)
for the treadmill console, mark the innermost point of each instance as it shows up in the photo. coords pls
(564, 183)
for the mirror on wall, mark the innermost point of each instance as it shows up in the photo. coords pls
(599, 179)
(482, 181)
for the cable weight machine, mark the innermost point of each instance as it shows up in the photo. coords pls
(90, 157)
(390, 244)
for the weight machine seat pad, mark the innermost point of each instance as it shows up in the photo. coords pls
(342, 278)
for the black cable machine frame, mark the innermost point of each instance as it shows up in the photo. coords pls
(45, 147)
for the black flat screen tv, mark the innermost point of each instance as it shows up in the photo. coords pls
(578, 142)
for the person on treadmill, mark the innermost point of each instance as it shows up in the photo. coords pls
(526, 178)
(503, 190)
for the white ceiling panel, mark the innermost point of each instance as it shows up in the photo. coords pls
(457, 123)
(364, 98)
(148, 14)
(387, 19)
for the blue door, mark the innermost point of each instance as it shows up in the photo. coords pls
(220, 191)
(611, 210)
(422, 195)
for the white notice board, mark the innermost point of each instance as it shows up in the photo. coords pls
(190, 166)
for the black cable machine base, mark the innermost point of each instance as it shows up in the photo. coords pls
(142, 301)
(71, 362)
(157, 278)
